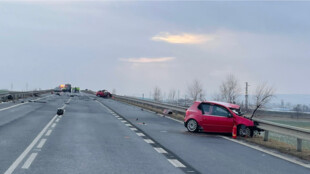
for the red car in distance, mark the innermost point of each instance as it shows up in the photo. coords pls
(104, 94)
(211, 116)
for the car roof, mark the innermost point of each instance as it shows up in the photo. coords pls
(229, 105)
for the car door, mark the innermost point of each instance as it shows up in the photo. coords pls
(206, 112)
(218, 119)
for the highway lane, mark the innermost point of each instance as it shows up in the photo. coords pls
(205, 152)
(90, 139)
(19, 125)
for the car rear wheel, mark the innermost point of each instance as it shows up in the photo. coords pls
(192, 125)
(245, 131)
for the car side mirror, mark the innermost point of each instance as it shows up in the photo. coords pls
(230, 115)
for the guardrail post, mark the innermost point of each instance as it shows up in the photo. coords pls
(299, 144)
(266, 135)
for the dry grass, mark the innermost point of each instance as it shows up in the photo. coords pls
(280, 146)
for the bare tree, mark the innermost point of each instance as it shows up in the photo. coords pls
(298, 109)
(230, 89)
(195, 90)
(263, 94)
(157, 94)
(171, 95)
(217, 97)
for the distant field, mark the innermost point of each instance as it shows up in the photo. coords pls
(2, 91)
(302, 124)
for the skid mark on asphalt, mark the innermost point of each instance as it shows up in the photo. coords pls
(172, 158)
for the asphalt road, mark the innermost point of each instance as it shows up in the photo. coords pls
(98, 135)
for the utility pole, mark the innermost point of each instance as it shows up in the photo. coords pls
(178, 97)
(246, 96)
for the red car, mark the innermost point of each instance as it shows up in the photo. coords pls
(104, 94)
(217, 117)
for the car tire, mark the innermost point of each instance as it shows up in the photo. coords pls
(192, 125)
(244, 131)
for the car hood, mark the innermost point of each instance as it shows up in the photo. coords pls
(243, 120)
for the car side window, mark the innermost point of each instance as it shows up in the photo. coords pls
(205, 107)
(220, 111)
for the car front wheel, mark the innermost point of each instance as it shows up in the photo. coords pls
(192, 125)
(244, 131)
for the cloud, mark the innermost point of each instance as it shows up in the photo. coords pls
(148, 60)
(184, 38)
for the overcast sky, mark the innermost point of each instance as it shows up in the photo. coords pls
(135, 46)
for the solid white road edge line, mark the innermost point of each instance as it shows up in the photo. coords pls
(268, 152)
(245, 144)
(27, 150)
(29, 161)
(258, 148)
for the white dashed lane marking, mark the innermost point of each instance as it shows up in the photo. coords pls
(140, 134)
(134, 129)
(157, 147)
(48, 133)
(176, 163)
(28, 149)
(53, 125)
(29, 161)
(160, 150)
(149, 141)
(41, 144)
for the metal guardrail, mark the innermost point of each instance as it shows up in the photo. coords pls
(18, 94)
(299, 133)
(173, 108)
(268, 126)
